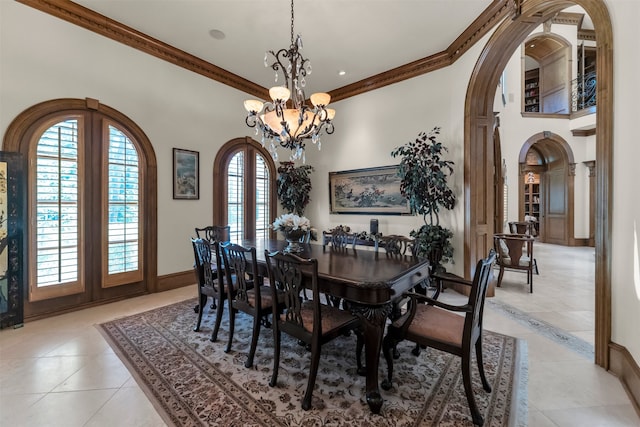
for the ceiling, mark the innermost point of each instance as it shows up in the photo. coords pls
(361, 37)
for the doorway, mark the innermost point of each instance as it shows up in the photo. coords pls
(478, 134)
(547, 182)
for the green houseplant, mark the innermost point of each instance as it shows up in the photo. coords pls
(424, 175)
(294, 186)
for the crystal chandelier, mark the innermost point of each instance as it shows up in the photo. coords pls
(288, 120)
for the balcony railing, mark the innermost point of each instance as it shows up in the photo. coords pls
(583, 92)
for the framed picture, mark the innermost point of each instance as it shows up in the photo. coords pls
(186, 174)
(367, 191)
(12, 248)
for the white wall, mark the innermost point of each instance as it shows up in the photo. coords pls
(625, 15)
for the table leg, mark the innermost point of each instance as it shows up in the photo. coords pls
(373, 321)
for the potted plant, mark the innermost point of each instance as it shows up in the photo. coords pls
(294, 186)
(424, 174)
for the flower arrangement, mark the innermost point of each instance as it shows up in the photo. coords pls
(294, 228)
(287, 223)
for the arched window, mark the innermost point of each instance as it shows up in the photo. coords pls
(91, 183)
(244, 189)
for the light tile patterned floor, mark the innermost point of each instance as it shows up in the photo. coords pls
(60, 372)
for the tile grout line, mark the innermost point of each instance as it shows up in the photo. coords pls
(545, 329)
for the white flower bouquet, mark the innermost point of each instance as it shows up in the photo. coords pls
(286, 223)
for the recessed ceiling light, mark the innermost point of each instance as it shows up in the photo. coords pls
(342, 72)
(532, 45)
(217, 34)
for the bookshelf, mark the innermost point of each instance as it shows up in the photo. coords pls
(531, 96)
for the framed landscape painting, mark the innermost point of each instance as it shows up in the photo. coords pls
(186, 174)
(367, 191)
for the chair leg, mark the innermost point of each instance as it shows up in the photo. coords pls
(466, 379)
(232, 324)
(535, 266)
(485, 384)
(361, 370)
(216, 327)
(388, 344)
(203, 302)
(313, 373)
(500, 276)
(254, 339)
(276, 354)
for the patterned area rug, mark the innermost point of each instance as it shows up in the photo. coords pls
(192, 382)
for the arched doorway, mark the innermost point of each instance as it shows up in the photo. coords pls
(478, 137)
(547, 182)
(547, 62)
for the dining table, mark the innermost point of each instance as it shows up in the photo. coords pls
(372, 282)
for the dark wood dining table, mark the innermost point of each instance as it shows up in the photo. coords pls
(370, 281)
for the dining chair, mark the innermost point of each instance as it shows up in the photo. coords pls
(246, 293)
(309, 321)
(213, 233)
(339, 237)
(515, 252)
(395, 244)
(210, 284)
(431, 323)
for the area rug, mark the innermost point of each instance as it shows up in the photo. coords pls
(193, 382)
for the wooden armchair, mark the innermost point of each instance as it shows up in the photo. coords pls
(438, 325)
(515, 252)
(210, 284)
(309, 321)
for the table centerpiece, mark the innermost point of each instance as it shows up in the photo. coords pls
(294, 228)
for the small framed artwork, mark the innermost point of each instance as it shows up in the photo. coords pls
(186, 174)
(367, 191)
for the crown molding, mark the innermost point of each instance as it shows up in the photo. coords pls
(100, 24)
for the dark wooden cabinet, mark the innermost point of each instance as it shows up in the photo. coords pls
(531, 96)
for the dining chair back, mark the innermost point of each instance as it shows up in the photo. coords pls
(310, 321)
(210, 283)
(245, 292)
(397, 245)
(214, 233)
(339, 237)
(431, 323)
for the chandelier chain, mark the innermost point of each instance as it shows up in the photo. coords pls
(291, 22)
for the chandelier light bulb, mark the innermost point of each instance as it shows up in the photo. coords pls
(279, 93)
(320, 98)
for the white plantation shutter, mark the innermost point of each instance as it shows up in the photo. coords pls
(262, 198)
(122, 212)
(55, 212)
(235, 196)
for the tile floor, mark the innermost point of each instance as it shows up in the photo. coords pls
(60, 372)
